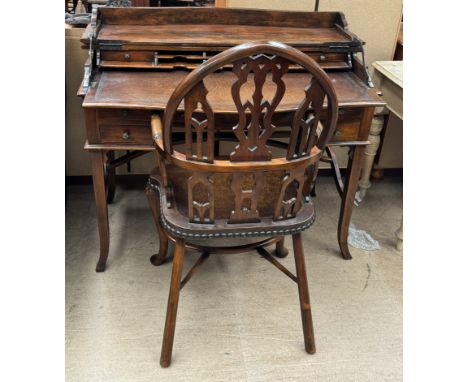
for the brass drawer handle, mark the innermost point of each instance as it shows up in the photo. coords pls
(125, 135)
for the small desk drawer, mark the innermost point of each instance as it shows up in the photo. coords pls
(124, 126)
(128, 56)
(121, 134)
(328, 57)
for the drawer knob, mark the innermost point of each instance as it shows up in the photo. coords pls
(125, 135)
(126, 56)
(322, 58)
(337, 133)
(124, 112)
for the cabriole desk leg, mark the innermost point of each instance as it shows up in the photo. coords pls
(347, 201)
(97, 163)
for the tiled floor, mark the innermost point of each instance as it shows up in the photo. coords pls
(239, 317)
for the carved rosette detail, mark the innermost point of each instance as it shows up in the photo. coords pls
(253, 136)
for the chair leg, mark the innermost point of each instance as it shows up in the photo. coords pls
(172, 303)
(306, 315)
(281, 250)
(153, 199)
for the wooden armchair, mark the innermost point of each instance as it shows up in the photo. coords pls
(251, 198)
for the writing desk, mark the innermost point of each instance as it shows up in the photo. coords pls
(136, 57)
(118, 107)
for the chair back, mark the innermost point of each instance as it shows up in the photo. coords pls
(250, 185)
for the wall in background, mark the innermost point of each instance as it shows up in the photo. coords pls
(76, 159)
(374, 21)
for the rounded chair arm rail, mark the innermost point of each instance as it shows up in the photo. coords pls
(220, 166)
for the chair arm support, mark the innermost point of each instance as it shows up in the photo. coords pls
(156, 131)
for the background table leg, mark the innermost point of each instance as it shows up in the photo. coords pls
(370, 152)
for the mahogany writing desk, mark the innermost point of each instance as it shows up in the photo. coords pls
(138, 56)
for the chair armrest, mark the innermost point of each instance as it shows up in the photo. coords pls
(156, 131)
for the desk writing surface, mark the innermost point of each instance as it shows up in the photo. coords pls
(152, 89)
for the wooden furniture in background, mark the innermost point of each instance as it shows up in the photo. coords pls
(370, 153)
(388, 77)
(139, 55)
(198, 196)
(377, 134)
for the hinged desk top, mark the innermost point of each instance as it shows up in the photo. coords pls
(151, 90)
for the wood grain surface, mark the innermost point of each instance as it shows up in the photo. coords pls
(151, 90)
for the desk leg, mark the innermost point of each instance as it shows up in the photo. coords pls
(347, 201)
(97, 163)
